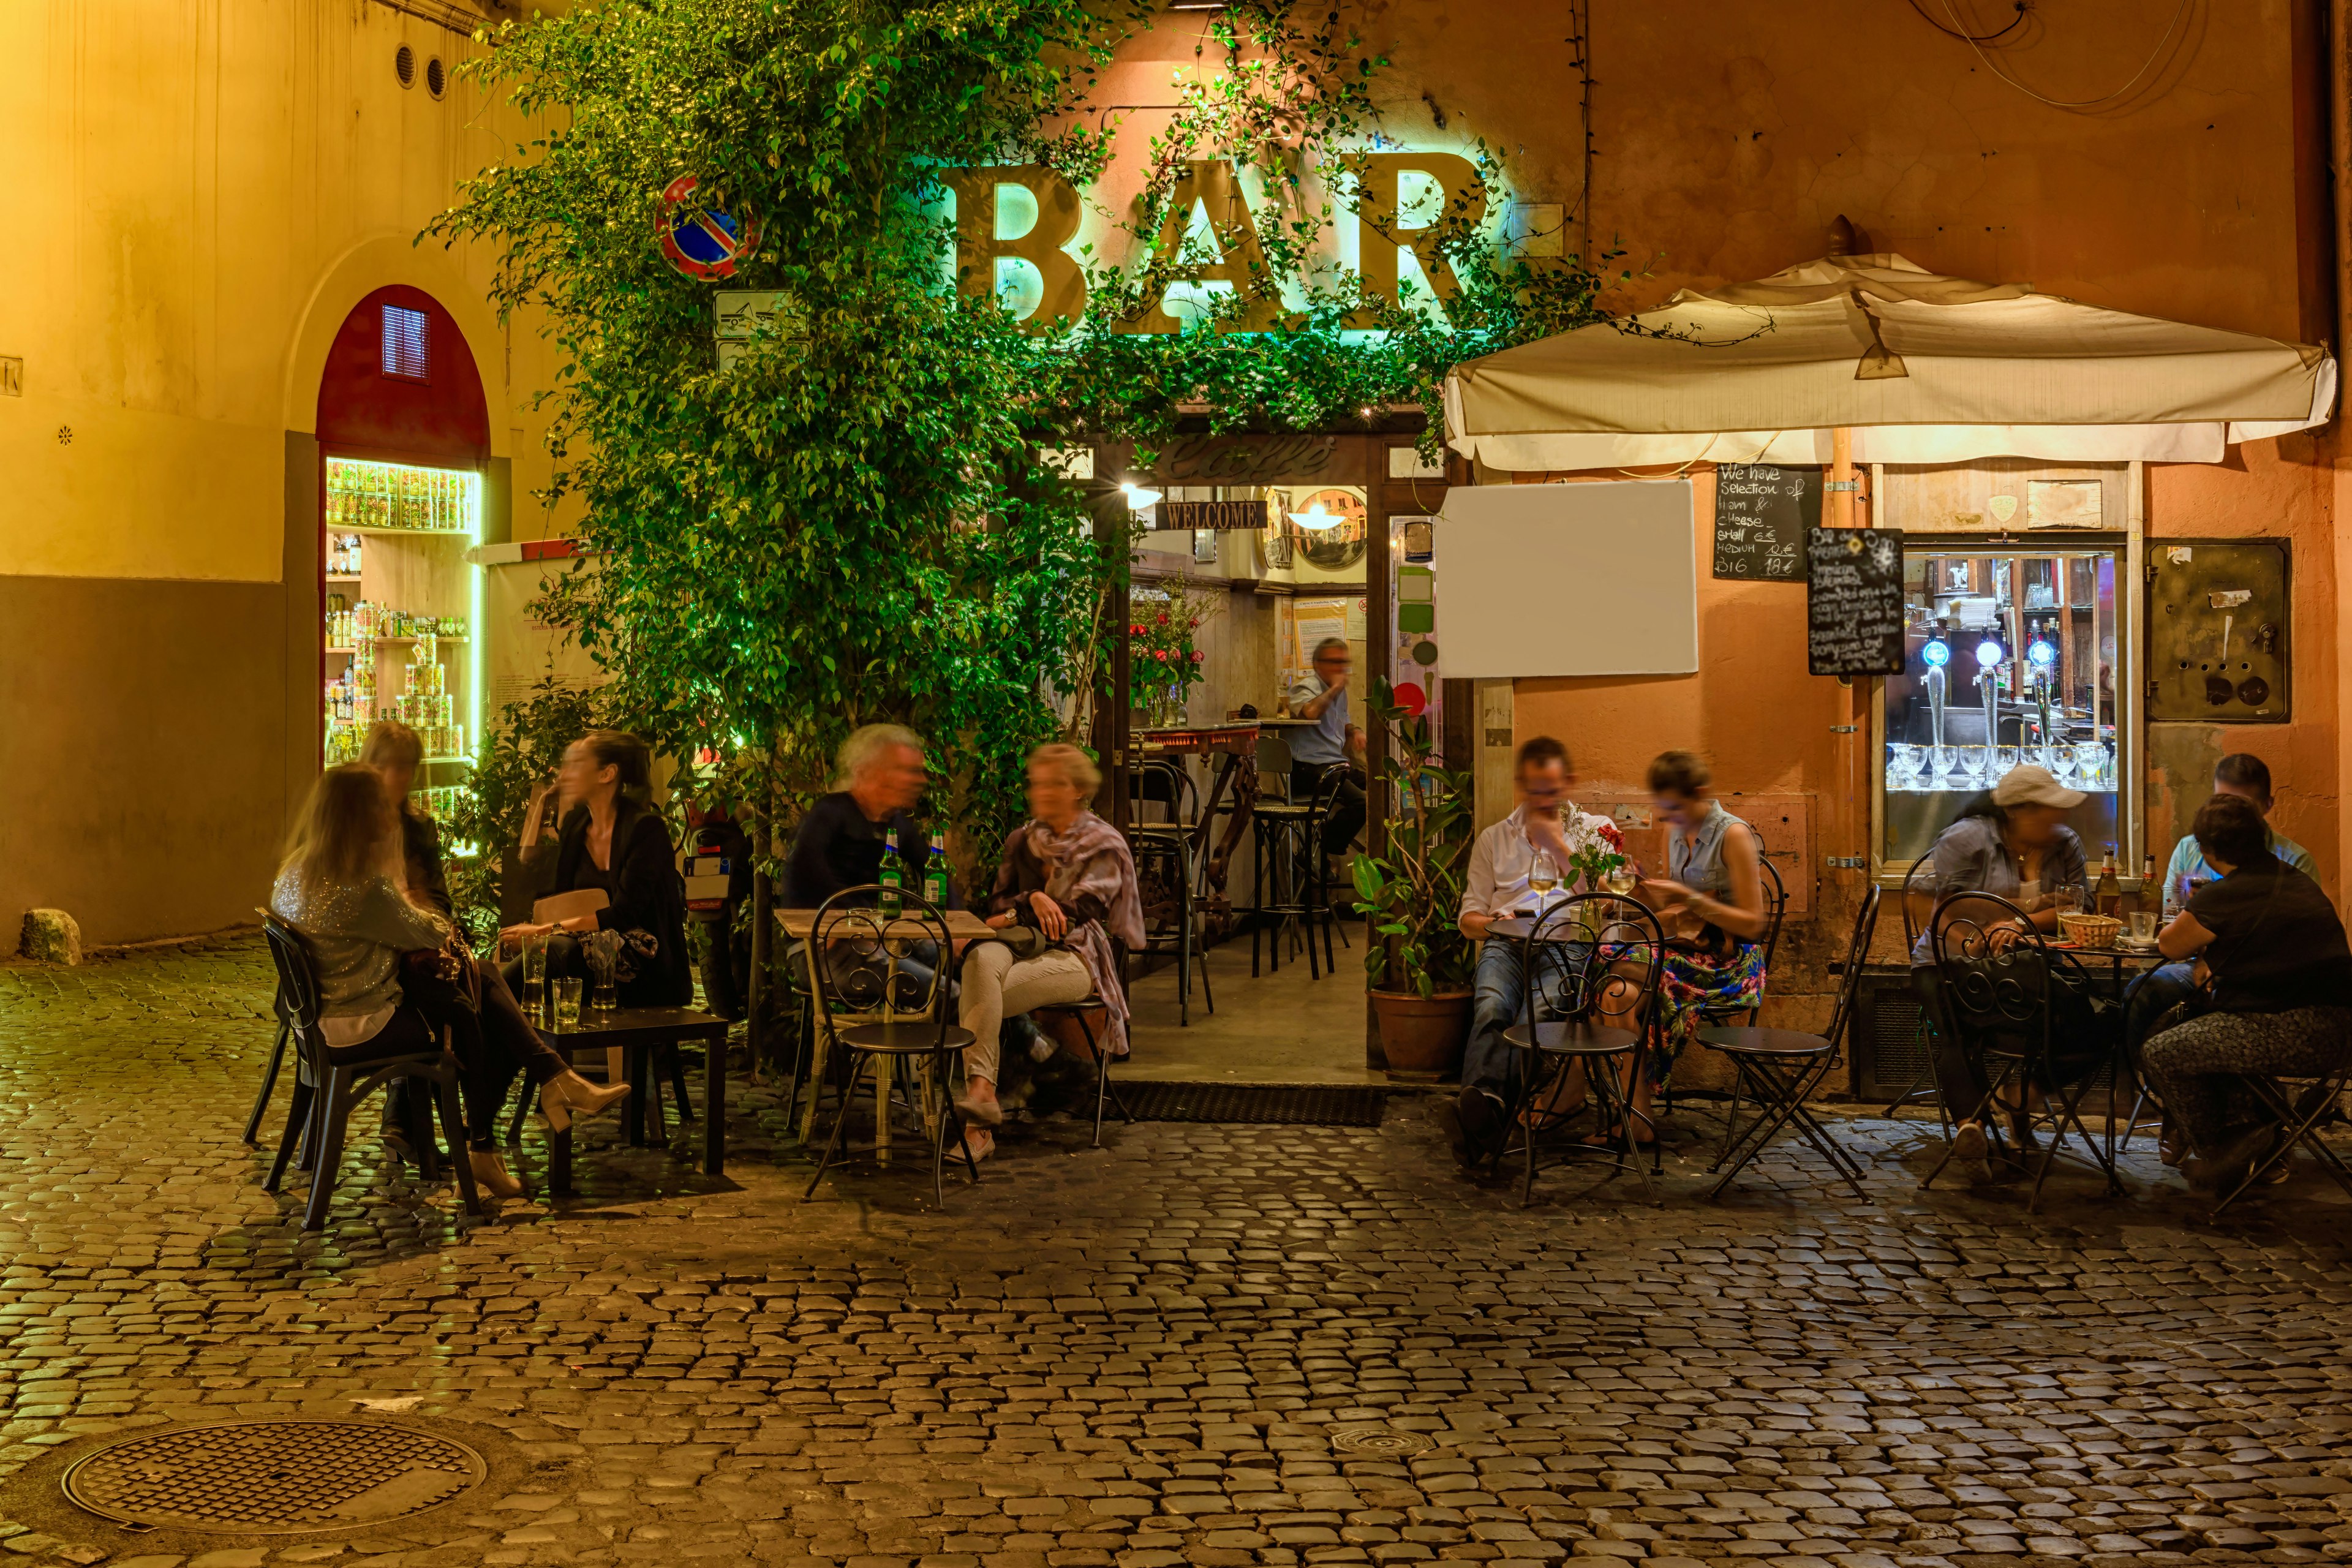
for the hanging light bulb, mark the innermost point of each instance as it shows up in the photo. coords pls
(1139, 498)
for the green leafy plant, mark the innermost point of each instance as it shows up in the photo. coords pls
(1413, 891)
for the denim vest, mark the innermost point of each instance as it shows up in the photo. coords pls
(1697, 862)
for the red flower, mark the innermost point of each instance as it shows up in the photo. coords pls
(1198, 656)
(1161, 654)
(1135, 631)
(1163, 619)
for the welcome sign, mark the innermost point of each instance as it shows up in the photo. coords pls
(1212, 188)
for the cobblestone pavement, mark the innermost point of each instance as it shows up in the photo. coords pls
(1156, 1353)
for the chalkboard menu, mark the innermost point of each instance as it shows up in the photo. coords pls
(1853, 601)
(1761, 514)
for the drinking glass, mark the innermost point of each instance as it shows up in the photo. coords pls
(1542, 877)
(567, 1002)
(1903, 764)
(1941, 761)
(534, 977)
(602, 951)
(2143, 926)
(1624, 878)
(2092, 759)
(2003, 759)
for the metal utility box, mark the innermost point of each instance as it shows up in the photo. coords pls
(2218, 622)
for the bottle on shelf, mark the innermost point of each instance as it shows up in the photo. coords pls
(2110, 891)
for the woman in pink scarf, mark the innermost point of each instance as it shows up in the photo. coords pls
(1068, 876)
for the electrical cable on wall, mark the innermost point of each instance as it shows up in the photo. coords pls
(2022, 7)
(2162, 41)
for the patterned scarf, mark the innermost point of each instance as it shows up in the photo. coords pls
(1090, 856)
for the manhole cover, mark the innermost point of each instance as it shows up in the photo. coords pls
(272, 1476)
(1376, 1440)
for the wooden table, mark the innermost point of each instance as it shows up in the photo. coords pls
(637, 1030)
(962, 924)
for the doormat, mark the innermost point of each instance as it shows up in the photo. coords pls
(1285, 1104)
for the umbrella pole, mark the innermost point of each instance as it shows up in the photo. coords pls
(1853, 759)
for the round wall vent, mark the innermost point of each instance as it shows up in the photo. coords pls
(403, 65)
(435, 82)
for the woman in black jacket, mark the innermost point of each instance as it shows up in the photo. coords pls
(611, 839)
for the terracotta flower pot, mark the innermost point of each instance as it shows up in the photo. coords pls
(1422, 1036)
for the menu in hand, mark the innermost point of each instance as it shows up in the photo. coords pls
(1853, 601)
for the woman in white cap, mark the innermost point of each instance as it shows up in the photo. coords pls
(2011, 842)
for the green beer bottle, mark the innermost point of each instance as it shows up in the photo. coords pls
(893, 875)
(935, 877)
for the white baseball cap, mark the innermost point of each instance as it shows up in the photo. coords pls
(2026, 784)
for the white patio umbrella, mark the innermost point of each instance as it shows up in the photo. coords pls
(1920, 367)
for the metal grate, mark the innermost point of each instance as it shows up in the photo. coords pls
(1384, 1441)
(1890, 1047)
(273, 1477)
(1296, 1105)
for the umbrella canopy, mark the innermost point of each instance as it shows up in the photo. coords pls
(1922, 367)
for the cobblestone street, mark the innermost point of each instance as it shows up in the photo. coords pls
(1163, 1351)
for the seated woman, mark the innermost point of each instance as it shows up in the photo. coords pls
(2011, 842)
(1711, 904)
(1068, 876)
(613, 841)
(2280, 975)
(488, 1030)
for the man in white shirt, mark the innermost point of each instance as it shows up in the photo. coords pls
(1496, 885)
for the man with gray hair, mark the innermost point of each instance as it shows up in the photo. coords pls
(1332, 742)
(839, 843)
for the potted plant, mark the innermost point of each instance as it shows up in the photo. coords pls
(1419, 960)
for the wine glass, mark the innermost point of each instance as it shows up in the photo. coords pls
(1622, 879)
(2093, 761)
(2003, 759)
(1902, 765)
(1543, 876)
(1941, 761)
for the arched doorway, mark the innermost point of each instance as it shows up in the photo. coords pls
(403, 436)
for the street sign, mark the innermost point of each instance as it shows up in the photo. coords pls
(700, 242)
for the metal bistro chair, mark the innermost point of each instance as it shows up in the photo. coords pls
(1279, 843)
(1776, 911)
(1085, 1012)
(330, 1082)
(1165, 871)
(885, 1016)
(1999, 996)
(1778, 1068)
(1591, 963)
(1918, 905)
(2299, 1119)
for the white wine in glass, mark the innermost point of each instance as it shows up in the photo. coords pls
(1542, 876)
(1622, 879)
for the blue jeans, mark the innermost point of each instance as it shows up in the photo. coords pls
(1498, 1000)
(2150, 996)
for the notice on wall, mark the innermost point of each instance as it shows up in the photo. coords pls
(1853, 601)
(1762, 514)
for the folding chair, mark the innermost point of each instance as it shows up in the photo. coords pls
(1779, 1069)
(2299, 1119)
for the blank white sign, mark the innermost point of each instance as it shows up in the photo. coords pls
(1574, 579)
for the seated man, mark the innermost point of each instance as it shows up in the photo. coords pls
(2280, 995)
(1333, 743)
(2151, 995)
(840, 842)
(1478, 1121)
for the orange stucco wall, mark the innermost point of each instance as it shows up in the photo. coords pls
(1729, 137)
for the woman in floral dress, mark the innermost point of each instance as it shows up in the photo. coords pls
(1711, 903)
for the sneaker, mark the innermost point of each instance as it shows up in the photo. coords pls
(1969, 1142)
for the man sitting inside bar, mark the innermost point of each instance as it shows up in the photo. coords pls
(1477, 1121)
(2153, 995)
(1333, 743)
(839, 843)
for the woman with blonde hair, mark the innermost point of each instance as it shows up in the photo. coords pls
(1068, 877)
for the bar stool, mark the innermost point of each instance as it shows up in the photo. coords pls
(1281, 838)
(1163, 861)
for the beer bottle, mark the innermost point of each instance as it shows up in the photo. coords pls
(893, 874)
(2110, 890)
(935, 877)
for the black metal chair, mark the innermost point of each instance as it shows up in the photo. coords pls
(330, 1081)
(1085, 1013)
(1779, 1069)
(1281, 843)
(1919, 903)
(884, 1015)
(1168, 878)
(2299, 1115)
(1776, 911)
(1592, 964)
(1999, 985)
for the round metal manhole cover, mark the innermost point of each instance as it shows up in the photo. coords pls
(273, 1477)
(1382, 1440)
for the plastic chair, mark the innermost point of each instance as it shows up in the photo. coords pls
(1591, 963)
(1779, 1069)
(887, 1015)
(331, 1082)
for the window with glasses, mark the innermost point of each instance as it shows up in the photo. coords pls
(407, 343)
(2009, 656)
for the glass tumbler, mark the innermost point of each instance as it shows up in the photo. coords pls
(567, 1002)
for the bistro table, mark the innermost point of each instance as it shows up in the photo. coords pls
(963, 927)
(636, 1031)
